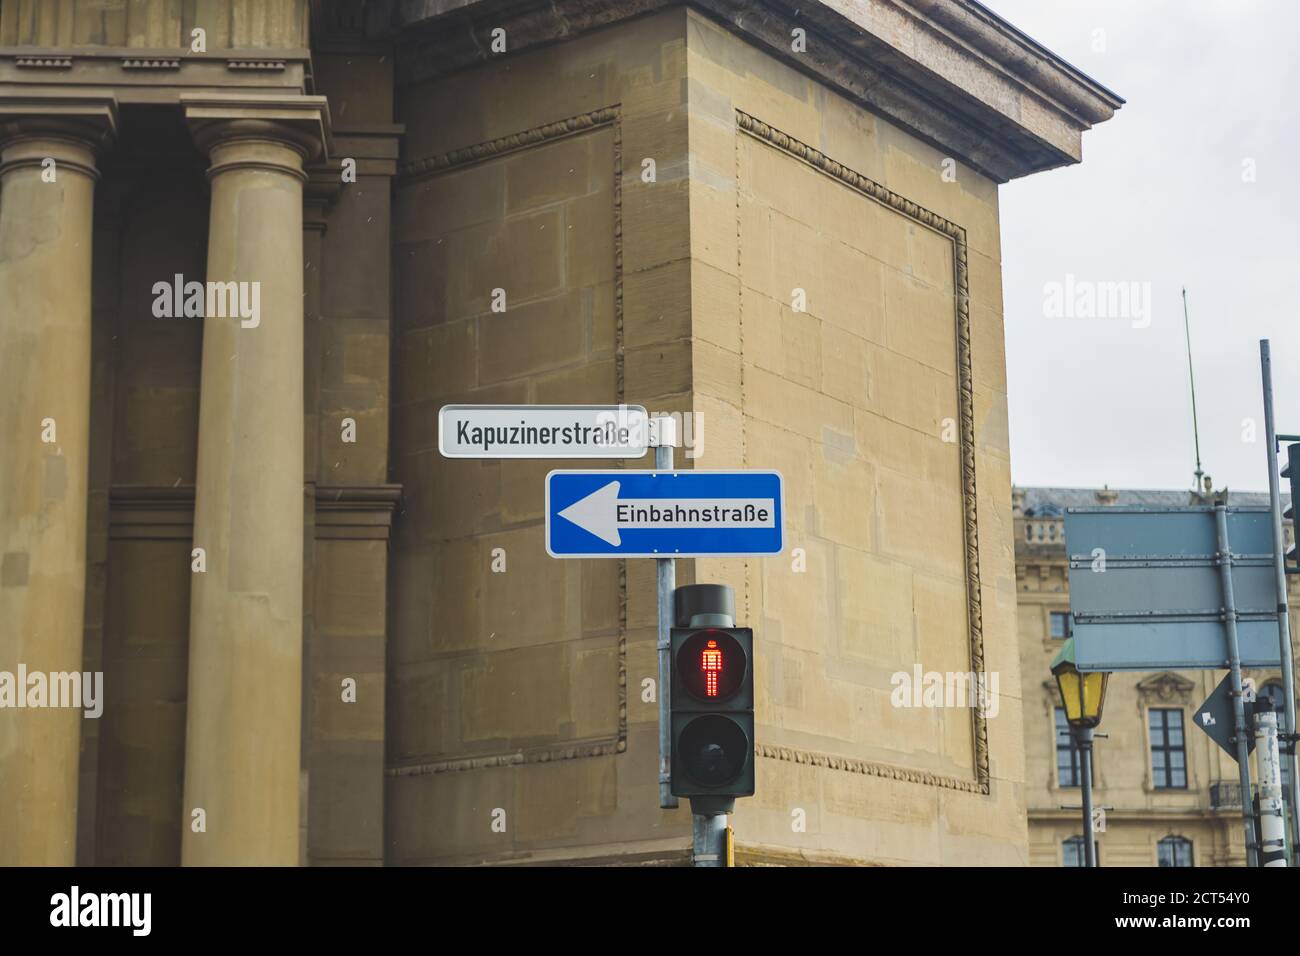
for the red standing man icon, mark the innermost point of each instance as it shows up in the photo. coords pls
(711, 664)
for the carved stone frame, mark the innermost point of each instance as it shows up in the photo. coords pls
(756, 128)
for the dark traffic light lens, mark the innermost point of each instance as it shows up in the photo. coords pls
(713, 750)
(710, 665)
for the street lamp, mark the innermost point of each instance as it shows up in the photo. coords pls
(1082, 696)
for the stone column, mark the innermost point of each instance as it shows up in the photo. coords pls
(242, 746)
(47, 186)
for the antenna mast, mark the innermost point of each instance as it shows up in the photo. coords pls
(1196, 432)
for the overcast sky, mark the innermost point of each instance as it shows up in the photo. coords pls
(1160, 198)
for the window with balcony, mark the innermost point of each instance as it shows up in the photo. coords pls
(1168, 755)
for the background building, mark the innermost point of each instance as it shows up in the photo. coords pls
(783, 221)
(1175, 794)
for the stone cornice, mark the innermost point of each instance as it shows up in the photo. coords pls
(950, 71)
(970, 22)
(154, 74)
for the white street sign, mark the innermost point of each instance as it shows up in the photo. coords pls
(543, 431)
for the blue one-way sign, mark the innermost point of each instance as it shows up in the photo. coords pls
(657, 514)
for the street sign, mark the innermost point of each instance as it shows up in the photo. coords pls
(657, 514)
(543, 431)
(1146, 594)
(1216, 718)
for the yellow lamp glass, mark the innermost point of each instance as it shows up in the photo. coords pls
(1082, 695)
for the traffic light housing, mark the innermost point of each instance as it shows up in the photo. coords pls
(1291, 472)
(712, 712)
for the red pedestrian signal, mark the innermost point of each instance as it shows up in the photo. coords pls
(712, 712)
(711, 664)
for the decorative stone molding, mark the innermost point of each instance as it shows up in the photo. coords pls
(413, 171)
(150, 63)
(508, 144)
(873, 769)
(44, 62)
(792, 147)
(1048, 531)
(273, 65)
(1165, 688)
(519, 757)
(154, 74)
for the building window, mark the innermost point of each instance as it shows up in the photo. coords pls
(1068, 773)
(1060, 625)
(1072, 852)
(1277, 696)
(1168, 758)
(1174, 851)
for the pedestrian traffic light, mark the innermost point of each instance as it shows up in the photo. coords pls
(712, 702)
(1291, 472)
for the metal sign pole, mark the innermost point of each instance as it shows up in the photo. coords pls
(666, 575)
(1283, 624)
(1083, 739)
(1272, 817)
(709, 839)
(1234, 664)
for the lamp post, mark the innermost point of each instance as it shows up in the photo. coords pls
(1082, 695)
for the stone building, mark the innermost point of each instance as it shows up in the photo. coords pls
(1174, 794)
(249, 247)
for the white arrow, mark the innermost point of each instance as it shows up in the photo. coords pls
(1207, 719)
(603, 513)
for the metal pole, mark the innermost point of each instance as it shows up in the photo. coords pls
(1272, 818)
(1279, 565)
(709, 839)
(1229, 611)
(1191, 377)
(1083, 740)
(666, 576)
(709, 814)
